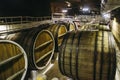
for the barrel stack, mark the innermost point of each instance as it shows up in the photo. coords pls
(38, 44)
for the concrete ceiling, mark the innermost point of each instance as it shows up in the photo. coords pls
(93, 4)
(109, 5)
(77, 6)
(102, 5)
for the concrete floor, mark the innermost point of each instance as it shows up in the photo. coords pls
(55, 73)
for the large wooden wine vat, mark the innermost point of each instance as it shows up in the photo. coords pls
(115, 30)
(58, 31)
(13, 61)
(103, 27)
(88, 55)
(72, 27)
(38, 44)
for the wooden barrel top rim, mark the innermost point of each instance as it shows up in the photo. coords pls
(52, 49)
(25, 56)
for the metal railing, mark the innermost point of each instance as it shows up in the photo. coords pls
(19, 23)
(22, 19)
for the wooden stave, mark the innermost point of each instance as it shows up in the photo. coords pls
(18, 66)
(76, 73)
(30, 36)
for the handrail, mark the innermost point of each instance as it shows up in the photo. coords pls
(22, 19)
(18, 23)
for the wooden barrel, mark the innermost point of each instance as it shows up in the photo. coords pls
(103, 27)
(39, 45)
(58, 31)
(88, 55)
(71, 27)
(13, 61)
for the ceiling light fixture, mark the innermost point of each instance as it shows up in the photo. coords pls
(64, 10)
(85, 9)
(68, 3)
